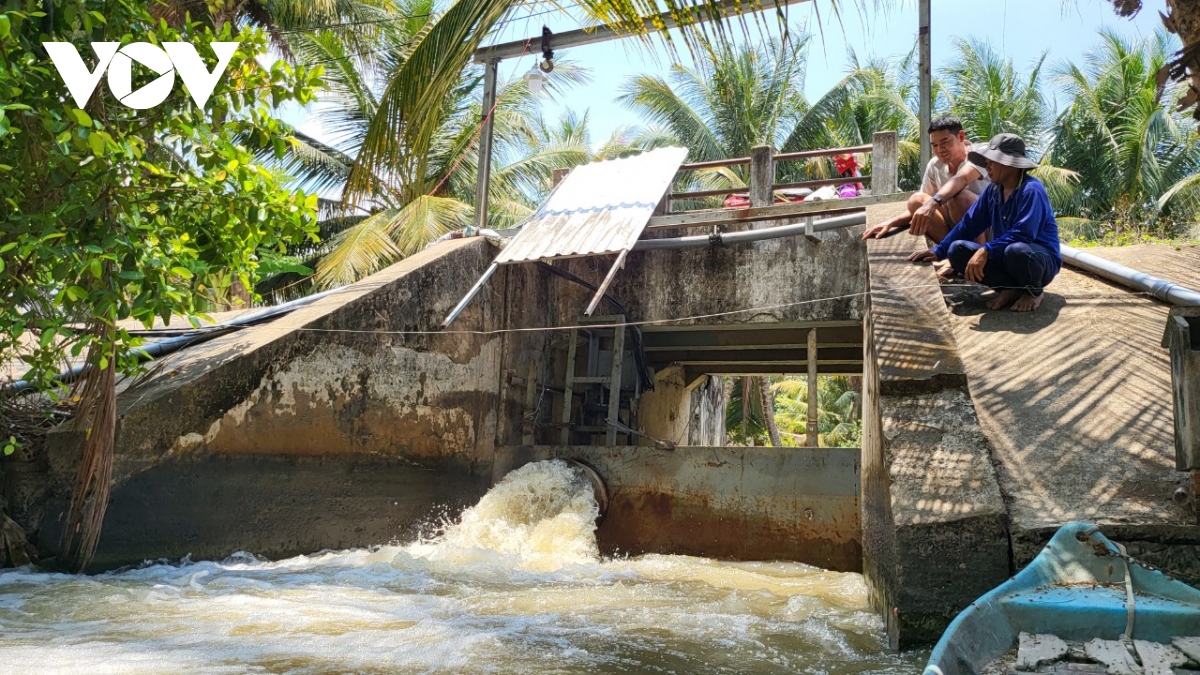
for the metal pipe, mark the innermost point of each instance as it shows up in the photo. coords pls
(172, 345)
(702, 240)
(729, 9)
(1127, 276)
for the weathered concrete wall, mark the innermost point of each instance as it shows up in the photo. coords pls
(366, 378)
(685, 416)
(782, 280)
(741, 503)
(935, 528)
(353, 380)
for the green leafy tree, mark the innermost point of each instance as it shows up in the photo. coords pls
(111, 213)
(1137, 159)
(391, 218)
(839, 410)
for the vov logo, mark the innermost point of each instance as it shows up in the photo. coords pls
(179, 57)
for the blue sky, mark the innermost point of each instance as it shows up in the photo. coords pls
(1020, 29)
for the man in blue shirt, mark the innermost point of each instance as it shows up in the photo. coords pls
(1023, 255)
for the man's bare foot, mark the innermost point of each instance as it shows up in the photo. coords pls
(1004, 298)
(946, 274)
(1027, 302)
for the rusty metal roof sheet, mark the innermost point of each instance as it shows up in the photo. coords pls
(599, 208)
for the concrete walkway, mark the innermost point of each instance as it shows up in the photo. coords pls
(1075, 400)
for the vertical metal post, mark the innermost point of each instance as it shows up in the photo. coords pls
(484, 172)
(926, 84)
(812, 441)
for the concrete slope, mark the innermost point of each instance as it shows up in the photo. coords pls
(1076, 402)
(345, 423)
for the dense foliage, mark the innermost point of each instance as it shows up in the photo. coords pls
(111, 213)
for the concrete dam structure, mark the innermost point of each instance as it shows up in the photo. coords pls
(358, 419)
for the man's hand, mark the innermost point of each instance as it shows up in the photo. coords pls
(923, 256)
(920, 218)
(877, 232)
(975, 265)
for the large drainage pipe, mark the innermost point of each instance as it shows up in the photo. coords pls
(717, 239)
(1127, 276)
(599, 488)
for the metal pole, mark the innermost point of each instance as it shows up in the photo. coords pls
(484, 172)
(811, 439)
(462, 304)
(727, 10)
(926, 80)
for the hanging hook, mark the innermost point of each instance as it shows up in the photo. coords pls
(547, 63)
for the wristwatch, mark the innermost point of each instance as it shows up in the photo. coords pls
(939, 200)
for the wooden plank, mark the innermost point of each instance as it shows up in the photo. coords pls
(1158, 659)
(614, 387)
(778, 186)
(1113, 655)
(781, 157)
(824, 152)
(885, 164)
(762, 175)
(1189, 646)
(569, 389)
(811, 439)
(1034, 650)
(773, 212)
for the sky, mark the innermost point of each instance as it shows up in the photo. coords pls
(1020, 29)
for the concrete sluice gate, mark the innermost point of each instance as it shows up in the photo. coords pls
(355, 420)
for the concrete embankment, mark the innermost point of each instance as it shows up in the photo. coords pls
(354, 420)
(935, 528)
(333, 426)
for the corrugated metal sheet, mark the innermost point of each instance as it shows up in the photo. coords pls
(599, 208)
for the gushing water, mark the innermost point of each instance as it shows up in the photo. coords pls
(515, 586)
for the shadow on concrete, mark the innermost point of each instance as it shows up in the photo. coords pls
(970, 302)
(1076, 403)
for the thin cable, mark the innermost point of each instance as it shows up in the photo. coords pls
(626, 324)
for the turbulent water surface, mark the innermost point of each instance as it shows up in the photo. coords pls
(516, 586)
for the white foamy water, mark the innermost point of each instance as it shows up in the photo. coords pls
(516, 586)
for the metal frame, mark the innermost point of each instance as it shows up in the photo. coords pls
(613, 379)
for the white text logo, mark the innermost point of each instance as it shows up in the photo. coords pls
(179, 57)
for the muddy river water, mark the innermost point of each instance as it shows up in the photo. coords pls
(514, 586)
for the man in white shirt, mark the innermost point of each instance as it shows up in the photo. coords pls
(950, 186)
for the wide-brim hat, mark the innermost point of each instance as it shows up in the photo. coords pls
(1006, 149)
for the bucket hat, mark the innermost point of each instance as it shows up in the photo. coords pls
(1006, 149)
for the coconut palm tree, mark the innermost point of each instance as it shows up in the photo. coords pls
(1137, 158)
(396, 218)
(876, 95)
(839, 409)
(990, 96)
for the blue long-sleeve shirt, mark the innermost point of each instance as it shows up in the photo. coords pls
(1026, 217)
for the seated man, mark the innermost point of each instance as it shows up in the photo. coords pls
(1023, 255)
(950, 186)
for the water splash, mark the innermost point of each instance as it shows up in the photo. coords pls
(515, 586)
(541, 517)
